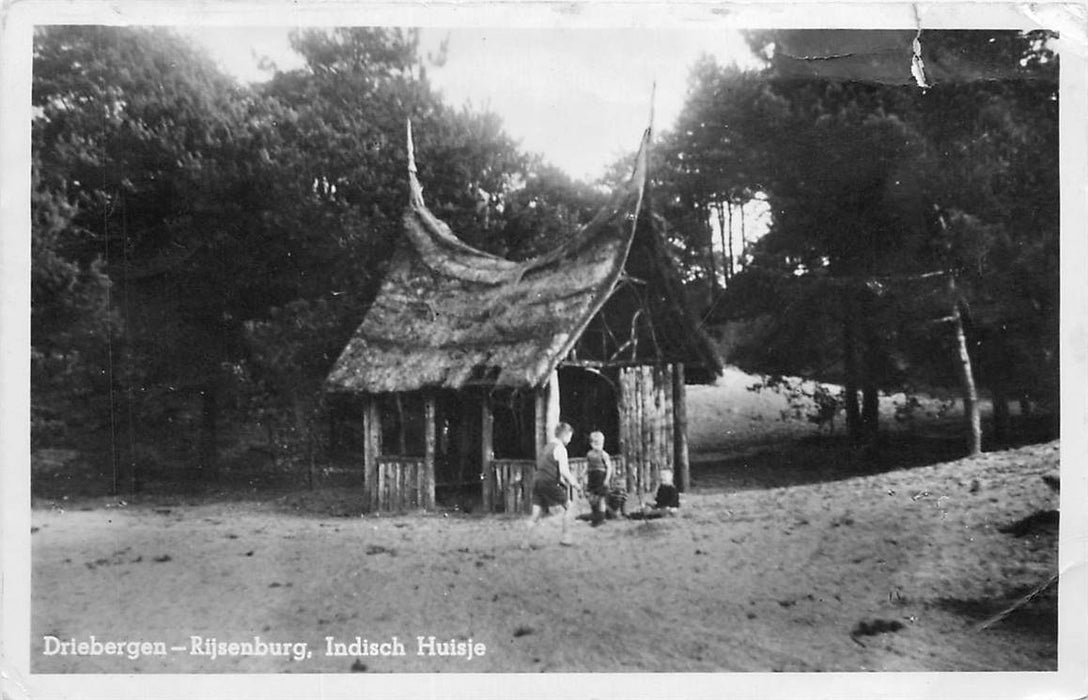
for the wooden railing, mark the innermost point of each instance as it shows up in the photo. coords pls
(403, 483)
(580, 465)
(508, 483)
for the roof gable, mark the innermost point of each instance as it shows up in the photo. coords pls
(448, 315)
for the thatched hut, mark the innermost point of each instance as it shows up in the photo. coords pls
(466, 361)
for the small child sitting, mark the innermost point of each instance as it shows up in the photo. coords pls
(666, 500)
(668, 497)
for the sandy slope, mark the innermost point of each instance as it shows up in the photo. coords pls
(727, 412)
(750, 580)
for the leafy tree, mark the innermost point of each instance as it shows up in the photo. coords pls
(992, 171)
(712, 158)
(71, 321)
(544, 210)
(873, 185)
(340, 147)
(140, 136)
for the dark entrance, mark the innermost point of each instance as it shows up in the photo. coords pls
(457, 467)
(589, 400)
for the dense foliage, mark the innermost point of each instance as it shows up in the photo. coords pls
(895, 208)
(202, 250)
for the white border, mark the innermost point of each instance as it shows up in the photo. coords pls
(18, 18)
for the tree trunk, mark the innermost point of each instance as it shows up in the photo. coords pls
(870, 389)
(209, 416)
(743, 236)
(870, 410)
(850, 379)
(710, 253)
(116, 461)
(727, 238)
(310, 466)
(973, 423)
(334, 429)
(1001, 414)
(732, 255)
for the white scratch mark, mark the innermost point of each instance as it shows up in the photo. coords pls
(917, 67)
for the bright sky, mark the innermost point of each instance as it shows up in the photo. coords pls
(580, 97)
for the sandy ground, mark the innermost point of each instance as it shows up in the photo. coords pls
(728, 412)
(895, 571)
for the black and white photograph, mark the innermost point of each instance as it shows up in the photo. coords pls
(663, 351)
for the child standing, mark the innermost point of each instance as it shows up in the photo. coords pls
(552, 483)
(599, 473)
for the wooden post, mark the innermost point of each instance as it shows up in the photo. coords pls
(680, 428)
(623, 441)
(547, 412)
(427, 477)
(645, 419)
(372, 448)
(540, 431)
(487, 451)
(629, 437)
(402, 425)
(668, 423)
(553, 403)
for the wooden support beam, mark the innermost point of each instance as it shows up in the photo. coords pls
(553, 403)
(645, 422)
(540, 412)
(429, 433)
(402, 425)
(664, 388)
(547, 412)
(680, 428)
(372, 438)
(487, 450)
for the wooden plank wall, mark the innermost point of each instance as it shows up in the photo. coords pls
(578, 468)
(401, 483)
(395, 483)
(510, 485)
(647, 421)
(372, 448)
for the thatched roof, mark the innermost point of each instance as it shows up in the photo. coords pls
(448, 315)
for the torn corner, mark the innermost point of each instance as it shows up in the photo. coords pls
(917, 66)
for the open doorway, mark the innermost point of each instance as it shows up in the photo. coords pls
(458, 438)
(589, 401)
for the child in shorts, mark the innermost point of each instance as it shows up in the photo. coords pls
(599, 473)
(552, 484)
